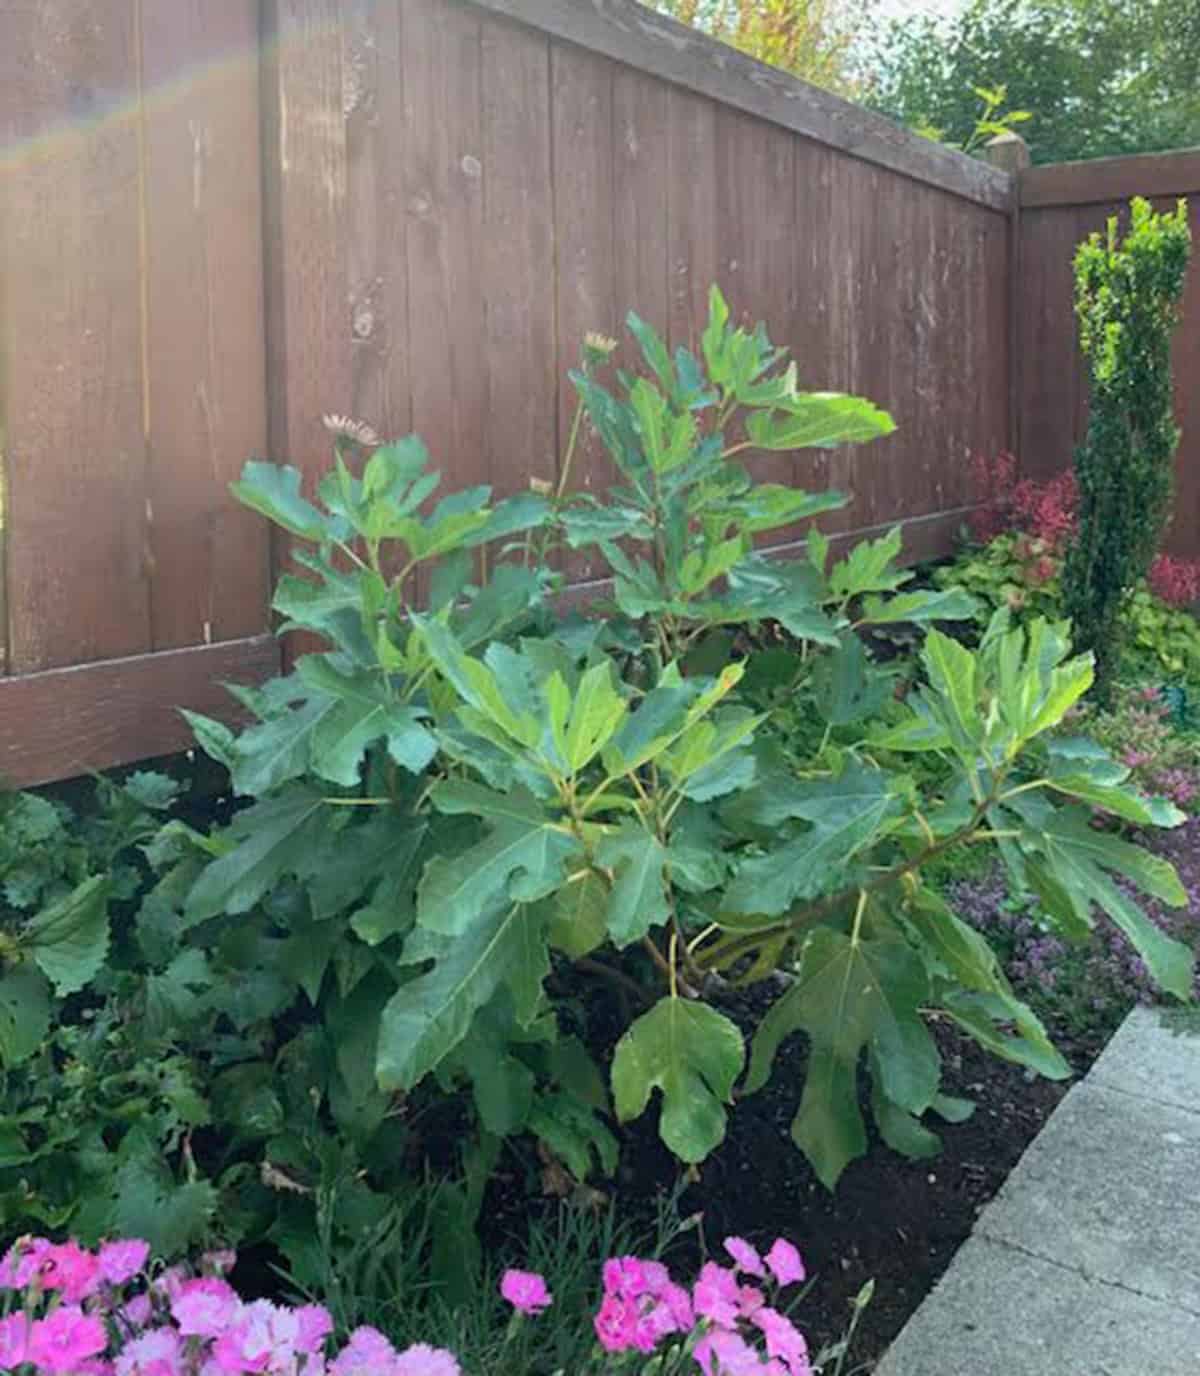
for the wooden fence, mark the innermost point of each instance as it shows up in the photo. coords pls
(219, 221)
(1060, 206)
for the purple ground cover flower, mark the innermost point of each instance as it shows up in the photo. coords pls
(1088, 987)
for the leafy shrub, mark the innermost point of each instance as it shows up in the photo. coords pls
(463, 815)
(1020, 574)
(1044, 511)
(1175, 581)
(1127, 295)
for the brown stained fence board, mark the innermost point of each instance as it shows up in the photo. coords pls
(640, 189)
(64, 722)
(309, 368)
(692, 262)
(521, 439)
(630, 33)
(206, 397)
(304, 156)
(72, 340)
(581, 95)
(376, 222)
(1111, 179)
(444, 191)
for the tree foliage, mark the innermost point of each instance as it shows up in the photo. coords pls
(1127, 295)
(812, 39)
(1101, 77)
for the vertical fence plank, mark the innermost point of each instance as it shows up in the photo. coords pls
(581, 91)
(376, 223)
(206, 401)
(443, 182)
(521, 432)
(73, 339)
(304, 153)
(640, 185)
(691, 213)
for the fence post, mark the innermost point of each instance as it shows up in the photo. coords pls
(1010, 153)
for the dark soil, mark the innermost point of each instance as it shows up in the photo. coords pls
(891, 1219)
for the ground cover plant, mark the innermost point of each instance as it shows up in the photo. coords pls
(501, 882)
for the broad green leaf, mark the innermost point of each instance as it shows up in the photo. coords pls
(693, 1055)
(846, 685)
(920, 607)
(654, 351)
(360, 711)
(24, 1013)
(577, 916)
(597, 711)
(69, 939)
(638, 900)
(522, 858)
(901, 1130)
(846, 814)
(599, 525)
(951, 669)
(574, 1133)
(1077, 857)
(869, 567)
(1123, 802)
(278, 750)
(273, 490)
(149, 1203)
(429, 1016)
(849, 993)
(818, 420)
(276, 837)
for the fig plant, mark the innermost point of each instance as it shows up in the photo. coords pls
(466, 816)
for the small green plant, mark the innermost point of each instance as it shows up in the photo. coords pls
(1127, 294)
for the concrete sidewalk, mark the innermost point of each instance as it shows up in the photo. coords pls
(1087, 1263)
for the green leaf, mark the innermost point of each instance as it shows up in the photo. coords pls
(1078, 856)
(693, 1055)
(849, 993)
(846, 814)
(430, 1015)
(273, 490)
(360, 711)
(639, 900)
(574, 1133)
(868, 567)
(818, 420)
(150, 1204)
(69, 939)
(522, 858)
(24, 1014)
(276, 837)
(597, 712)
(951, 669)
(577, 917)
(846, 685)
(920, 607)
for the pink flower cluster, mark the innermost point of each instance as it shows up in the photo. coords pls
(726, 1317)
(79, 1315)
(1045, 511)
(1176, 581)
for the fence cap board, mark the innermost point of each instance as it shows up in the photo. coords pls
(1098, 180)
(630, 33)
